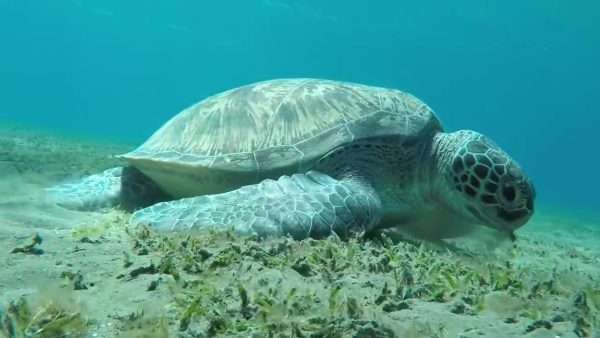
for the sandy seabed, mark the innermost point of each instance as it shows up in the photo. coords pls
(87, 274)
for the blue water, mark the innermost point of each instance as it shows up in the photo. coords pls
(526, 75)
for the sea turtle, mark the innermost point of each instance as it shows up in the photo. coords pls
(308, 158)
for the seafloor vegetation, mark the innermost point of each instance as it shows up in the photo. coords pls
(223, 285)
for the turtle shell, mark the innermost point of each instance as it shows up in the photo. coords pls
(267, 129)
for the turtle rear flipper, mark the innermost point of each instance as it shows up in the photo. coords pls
(302, 205)
(124, 186)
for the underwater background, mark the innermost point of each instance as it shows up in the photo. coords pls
(525, 73)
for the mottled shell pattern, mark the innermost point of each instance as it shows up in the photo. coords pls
(266, 129)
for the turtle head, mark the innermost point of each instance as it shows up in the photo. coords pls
(485, 184)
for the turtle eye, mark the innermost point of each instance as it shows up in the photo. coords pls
(509, 193)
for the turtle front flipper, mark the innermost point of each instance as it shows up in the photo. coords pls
(303, 205)
(124, 186)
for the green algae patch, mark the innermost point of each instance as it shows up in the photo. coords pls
(50, 319)
(217, 284)
(222, 284)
